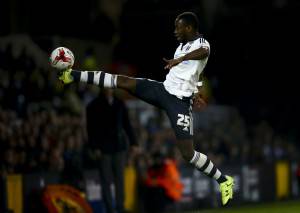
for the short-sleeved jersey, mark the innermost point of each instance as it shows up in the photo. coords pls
(182, 80)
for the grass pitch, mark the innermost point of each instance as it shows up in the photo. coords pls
(277, 207)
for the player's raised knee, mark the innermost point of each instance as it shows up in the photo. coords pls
(126, 82)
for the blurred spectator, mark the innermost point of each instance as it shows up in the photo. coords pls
(298, 175)
(107, 127)
(56, 161)
(72, 155)
(162, 184)
(10, 162)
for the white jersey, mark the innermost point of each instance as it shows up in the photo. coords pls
(182, 80)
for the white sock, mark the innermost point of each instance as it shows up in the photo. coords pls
(202, 163)
(100, 78)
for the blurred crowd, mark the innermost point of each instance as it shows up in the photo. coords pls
(40, 141)
(37, 132)
(42, 126)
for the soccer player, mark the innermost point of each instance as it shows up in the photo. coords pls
(175, 95)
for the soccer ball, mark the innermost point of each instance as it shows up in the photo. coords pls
(62, 58)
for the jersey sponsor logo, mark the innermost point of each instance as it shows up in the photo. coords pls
(184, 121)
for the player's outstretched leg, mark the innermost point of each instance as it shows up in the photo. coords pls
(199, 160)
(98, 78)
(205, 165)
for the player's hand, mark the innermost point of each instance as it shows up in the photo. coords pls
(199, 101)
(172, 62)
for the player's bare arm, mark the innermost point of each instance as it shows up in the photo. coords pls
(197, 54)
(200, 99)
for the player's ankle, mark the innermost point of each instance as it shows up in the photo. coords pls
(75, 74)
(222, 179)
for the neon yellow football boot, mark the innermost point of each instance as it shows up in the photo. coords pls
(226, 189)
(65, 76)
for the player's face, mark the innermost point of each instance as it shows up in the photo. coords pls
(181, 30)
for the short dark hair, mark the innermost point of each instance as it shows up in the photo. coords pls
(189, 18)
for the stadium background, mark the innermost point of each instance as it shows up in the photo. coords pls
(250, 125)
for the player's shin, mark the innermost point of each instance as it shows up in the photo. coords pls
(99, 78)
(202, 163)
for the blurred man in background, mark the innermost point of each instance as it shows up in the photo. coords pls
(107, 126)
